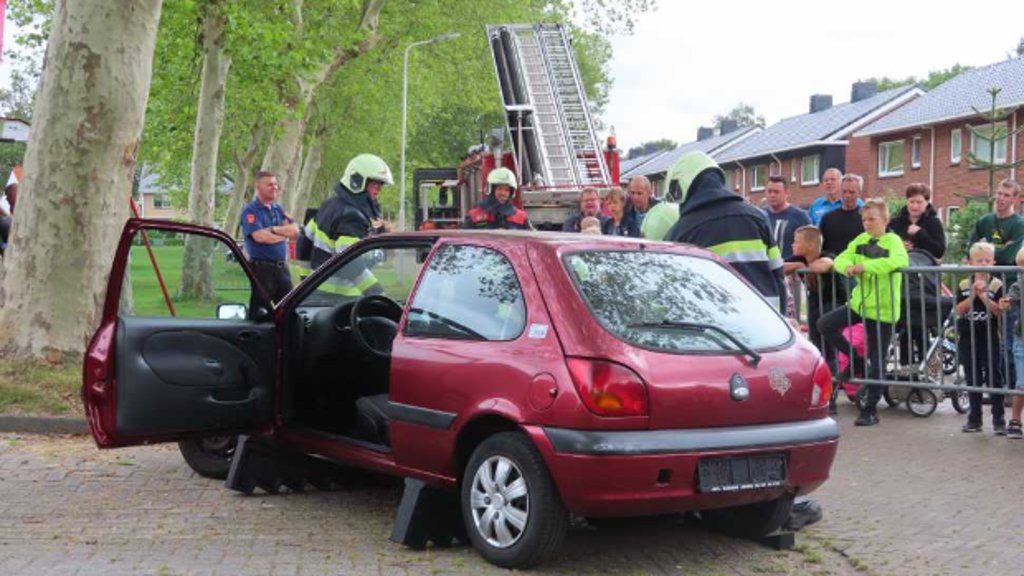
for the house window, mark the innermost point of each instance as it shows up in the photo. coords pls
(810, 169)
(890, 158)
(955, 145)
(981, 146)
(915, 152)
(161, 201)
(758, 177)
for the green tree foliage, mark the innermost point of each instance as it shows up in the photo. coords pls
(649, 147)
(933, 80)
(996, 131)
(743, 114)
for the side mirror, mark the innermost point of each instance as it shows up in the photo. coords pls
(231, 312)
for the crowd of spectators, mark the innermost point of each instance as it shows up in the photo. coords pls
(842, 257)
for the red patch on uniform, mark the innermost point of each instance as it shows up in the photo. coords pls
(250, 218)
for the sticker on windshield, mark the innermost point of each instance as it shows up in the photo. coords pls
(538, 331)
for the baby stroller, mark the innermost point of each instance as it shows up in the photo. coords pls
(924, 340)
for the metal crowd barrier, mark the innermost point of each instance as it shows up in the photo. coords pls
(924, 350)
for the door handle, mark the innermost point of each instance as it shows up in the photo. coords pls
(214, 366)
(248, 335)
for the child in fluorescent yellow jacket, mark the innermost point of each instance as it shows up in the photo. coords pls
(874, 259)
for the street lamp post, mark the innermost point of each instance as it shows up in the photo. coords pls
(405, 108)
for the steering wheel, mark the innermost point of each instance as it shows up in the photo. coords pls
(374, 322)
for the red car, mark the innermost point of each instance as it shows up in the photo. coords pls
(537, 374)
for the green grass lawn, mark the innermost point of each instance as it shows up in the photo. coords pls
(40, 389)
(229, 281)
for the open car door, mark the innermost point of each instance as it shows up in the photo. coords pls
(162, 366)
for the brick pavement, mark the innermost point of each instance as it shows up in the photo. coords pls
(911, 496)
(917, 496)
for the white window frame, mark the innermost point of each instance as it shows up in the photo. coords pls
(950, 210)
(814, 176)
(884, 170)
(754, 170)
(162, 201)
(792, 170)
(956, 154)
(915, 152)
(1004, 141)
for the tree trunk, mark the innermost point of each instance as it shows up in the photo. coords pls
(197, 264)
(243, 184)
(284, 155)
(300, 199)
(88, 118)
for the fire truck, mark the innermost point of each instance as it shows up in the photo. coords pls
(554, 150)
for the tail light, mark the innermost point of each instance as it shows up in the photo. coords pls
(608, 389)
(821, 389)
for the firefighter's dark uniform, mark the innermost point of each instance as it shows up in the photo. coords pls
(714, 217)
(491, 214)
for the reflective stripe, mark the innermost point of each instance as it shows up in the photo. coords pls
(742, 251)
(365, 280)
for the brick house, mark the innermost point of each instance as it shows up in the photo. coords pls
(927, 140)
(801, 148)
(656, 164)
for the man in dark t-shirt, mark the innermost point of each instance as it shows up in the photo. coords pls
(839, 227)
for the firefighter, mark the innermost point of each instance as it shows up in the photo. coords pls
(712, 216)
(353, 213)
(496, 210)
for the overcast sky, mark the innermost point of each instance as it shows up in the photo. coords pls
(684, 65)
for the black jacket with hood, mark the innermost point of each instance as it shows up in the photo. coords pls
(713, 217)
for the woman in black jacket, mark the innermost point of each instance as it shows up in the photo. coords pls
(918, 223)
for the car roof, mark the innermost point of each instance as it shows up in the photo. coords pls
(552, 239)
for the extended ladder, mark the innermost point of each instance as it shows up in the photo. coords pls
(538, 77)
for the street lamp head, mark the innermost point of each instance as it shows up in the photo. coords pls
(443, 37)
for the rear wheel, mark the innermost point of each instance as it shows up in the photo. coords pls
(511, 509)
(751, 520)
(209, 457)
(922, 402)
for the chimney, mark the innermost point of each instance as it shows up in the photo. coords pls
(862, 91)
(727, 126)
(820, 102)
(703, 133)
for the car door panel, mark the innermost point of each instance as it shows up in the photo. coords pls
(181, 375)
(152, 378)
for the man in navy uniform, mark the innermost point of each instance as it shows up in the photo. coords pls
(267, 230)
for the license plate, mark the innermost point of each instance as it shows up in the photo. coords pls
(741, 473)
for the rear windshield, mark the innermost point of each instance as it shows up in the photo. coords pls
(661, 300)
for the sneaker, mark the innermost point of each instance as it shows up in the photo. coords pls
(972, 427)
(866, 419)
(1013, 431)
(999, 427)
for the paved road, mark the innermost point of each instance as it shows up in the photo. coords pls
(911, 496)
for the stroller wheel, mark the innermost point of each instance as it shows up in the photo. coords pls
(961, 402)
(922, 402)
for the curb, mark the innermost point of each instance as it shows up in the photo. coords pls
(43, 424)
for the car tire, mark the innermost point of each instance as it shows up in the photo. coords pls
(751, 520)
(209, 457)
(523, 530)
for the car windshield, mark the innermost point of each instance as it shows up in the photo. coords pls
(664, 301)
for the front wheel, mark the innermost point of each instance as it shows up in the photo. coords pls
(510, 506)
(922, 402)
(751, 520)
(209, 457)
